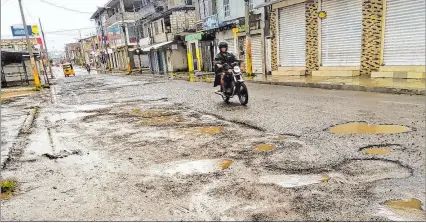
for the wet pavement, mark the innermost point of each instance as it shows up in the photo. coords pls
(114, 147)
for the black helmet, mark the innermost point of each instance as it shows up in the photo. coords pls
(223, 45)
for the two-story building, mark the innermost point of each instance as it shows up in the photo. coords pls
(164, 28)
(224, 20)
(373, 38)
(120, 21)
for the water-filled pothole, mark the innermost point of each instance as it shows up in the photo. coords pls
(377, 150)
(365, 128)
(225, 164)
(265, 147)
(403, 210)
(294, 180)
(412, 203)
(205, 130)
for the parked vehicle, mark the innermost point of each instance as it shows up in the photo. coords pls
(233, 84)
(68, 69)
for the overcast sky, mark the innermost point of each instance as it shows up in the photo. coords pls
(52, 18)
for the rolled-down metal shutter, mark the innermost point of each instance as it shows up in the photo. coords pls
(405, 32)
(341, 33)
(256, 54)
(292, 33)
(230, 45)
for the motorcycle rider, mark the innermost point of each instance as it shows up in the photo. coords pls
(221, 58)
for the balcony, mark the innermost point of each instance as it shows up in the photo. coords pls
(128, 17)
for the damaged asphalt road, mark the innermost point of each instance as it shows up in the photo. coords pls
(109, 147)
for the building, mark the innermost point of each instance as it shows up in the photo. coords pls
(164, 30)
(73, 53)
(377, 38)
(224, 20)
(120, 21)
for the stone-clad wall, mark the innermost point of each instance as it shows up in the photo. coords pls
(372, 14)
(311, 36)
(274, 39)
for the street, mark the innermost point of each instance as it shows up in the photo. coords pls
(137, 148)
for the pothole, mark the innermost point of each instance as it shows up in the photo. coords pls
(403, 210)
(377, 150)
(374, 170)
(205, 130)
(403, 204)
(294, 180)
(265, 147)
(365, 128)
(186, 167)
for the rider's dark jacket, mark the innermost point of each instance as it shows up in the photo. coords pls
(222, 58)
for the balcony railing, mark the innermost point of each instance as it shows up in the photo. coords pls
(133, 16)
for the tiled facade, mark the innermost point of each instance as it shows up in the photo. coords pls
(372, 13)
(311, 36)
(274, 39)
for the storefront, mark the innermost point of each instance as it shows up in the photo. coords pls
(292, 29)
(341, 32)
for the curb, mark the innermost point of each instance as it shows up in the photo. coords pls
(346, 87)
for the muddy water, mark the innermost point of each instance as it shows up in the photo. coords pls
(364, 128)
(377, 150)
(265, 147)
(208, 130)
(412, 203)
(225, 164)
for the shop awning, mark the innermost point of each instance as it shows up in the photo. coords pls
(267, 4)
(156, 46)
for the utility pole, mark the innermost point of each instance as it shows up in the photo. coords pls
(30, 49)
(81, 48)
(103, 43)
(45, 46)
(139, 37)
(248, 40)
(123, 25)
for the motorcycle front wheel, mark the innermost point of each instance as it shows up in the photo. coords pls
(243, 94)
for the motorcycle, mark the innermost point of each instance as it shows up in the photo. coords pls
(233, 84)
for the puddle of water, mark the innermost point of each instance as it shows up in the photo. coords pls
(364, 128)
(265, 147)
(225, 164)
(403, 210)
(377, 150)
(293, 180)
(412, 203)
(189, 167)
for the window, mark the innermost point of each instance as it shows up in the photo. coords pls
(156, 28)
(188, 2)
(226, 8)
(162, 26)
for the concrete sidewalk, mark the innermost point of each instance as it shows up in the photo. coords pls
(380, 85)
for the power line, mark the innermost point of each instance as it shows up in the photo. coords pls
(67, 30)
(58, 6)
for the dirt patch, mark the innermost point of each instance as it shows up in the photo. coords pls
(11, 94)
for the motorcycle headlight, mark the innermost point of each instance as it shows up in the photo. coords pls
(237, 69)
